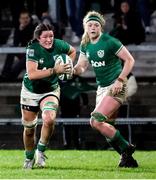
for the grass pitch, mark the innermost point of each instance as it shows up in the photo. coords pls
(74, 164)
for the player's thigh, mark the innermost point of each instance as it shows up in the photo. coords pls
(107, 106)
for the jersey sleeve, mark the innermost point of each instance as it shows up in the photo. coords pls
(32, 54)
(82, 50)
(62, 46)
(115, 45)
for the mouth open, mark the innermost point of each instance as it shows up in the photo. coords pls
(93, 32)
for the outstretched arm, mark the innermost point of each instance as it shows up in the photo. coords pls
(81, 65)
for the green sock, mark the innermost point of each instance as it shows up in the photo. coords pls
(114, 145)
(119, 140)
(30, 154)
(41, 147)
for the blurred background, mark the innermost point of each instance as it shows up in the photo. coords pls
(133, 22)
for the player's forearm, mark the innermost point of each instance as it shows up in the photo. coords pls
(82, 65)
(78, 70)
(39, 74)
(128, 60)
(128, 65)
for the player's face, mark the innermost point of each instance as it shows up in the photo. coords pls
(93, 28)
(46, 39)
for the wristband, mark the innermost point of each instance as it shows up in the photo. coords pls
(120, 79)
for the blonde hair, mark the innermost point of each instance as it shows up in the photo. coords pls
(91, 15)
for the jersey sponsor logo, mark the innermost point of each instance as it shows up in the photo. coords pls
(98, 64)
(101, 53)
(30, 52)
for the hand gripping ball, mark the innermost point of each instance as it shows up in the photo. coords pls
(64, 59)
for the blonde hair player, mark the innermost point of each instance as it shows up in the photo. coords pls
(105, 55)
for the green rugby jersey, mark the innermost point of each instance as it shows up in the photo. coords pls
(45, 59)
(102, 57)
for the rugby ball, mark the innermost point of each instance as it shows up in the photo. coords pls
(64, 59)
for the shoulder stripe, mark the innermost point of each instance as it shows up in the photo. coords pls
(119, 49)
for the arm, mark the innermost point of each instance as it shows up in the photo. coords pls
(125, 56)
(34, 73)
(72, 53)
(81, 65)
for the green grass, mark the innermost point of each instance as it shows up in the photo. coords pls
(73, 164)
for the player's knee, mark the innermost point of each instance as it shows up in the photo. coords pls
(29, 124)
(92, 122)
(96, 119)
(97, 116)
(49, 111)
(48, 117)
